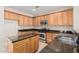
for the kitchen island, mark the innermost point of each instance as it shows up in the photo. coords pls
(27, 43)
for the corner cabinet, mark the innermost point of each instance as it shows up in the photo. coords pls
(29, 45)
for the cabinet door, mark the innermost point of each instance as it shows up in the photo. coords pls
(52, 19)
(30, 21)
(70, 17)
(42, 17)
(6, 14)
(10, 15)
(25, 20)
(27, 45)
(38, 20)
(59, 18)
(46, 17)
(35, 22)
(21, 46)
(32, 50)
(21, 20)
(49, 37)
(54, 36)
(34, 43)
(18, 47)
(65, 18)
(36, 38)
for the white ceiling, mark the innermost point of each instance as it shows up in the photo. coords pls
(40, 10)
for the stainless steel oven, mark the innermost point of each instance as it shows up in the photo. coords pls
(42, 36)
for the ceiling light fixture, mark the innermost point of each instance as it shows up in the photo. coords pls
(35, 8)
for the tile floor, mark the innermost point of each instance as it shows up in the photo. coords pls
(41, 46)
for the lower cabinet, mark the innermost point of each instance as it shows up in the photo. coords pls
(29, 45)
(34, 44)
(21, 46)
(50, 36)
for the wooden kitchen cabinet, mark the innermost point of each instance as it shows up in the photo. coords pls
(52, 19)
(30, 21)
(29, 45)
(65, 18)
(59, 18)
(38, 19)
(55, 19)
(22, 46)
(25, 20)
(6, 15)
(21, 19)
(34, 42)
(10, 15)
(49, 37)
(35, 21)
(42, 17)
(68, 17)
(54, 36)
(32, 45)
(46, 17)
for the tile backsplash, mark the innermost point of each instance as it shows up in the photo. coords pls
(25, 27)
(65, 28)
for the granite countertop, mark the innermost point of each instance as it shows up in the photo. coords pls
(22, 37)
(44, 30)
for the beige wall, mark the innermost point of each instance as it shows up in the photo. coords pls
(76, 18)
(2, 36)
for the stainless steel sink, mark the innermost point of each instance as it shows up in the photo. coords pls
(67, 38)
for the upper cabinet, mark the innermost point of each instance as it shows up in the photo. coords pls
(25, 20)
(10, 15)
(68, 17)
(38, 19)
(52, 19)
(61, 18)
(30, 21)
(22, 19)
(70, 14)
(58, 18)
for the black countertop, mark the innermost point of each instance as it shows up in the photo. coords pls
(43, 30)
(19, 38)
